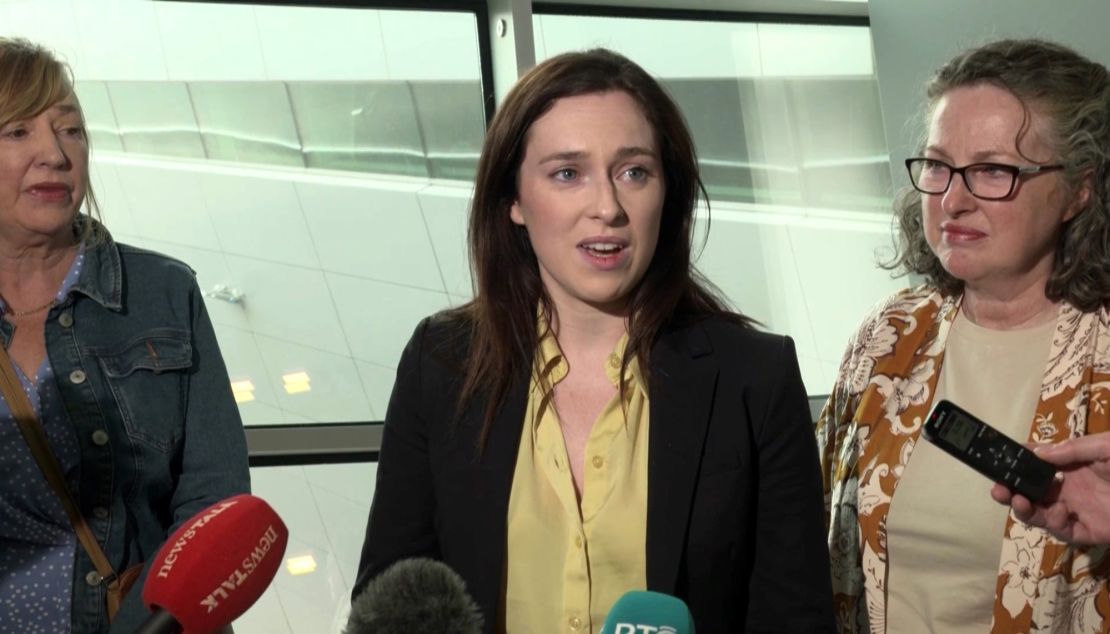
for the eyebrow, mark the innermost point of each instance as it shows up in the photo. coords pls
(572, 155)
(985, 156)
(66, 108)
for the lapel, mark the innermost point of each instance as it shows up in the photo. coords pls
(493, 476)
(683, 382)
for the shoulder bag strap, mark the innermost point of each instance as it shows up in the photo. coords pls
(29, 426)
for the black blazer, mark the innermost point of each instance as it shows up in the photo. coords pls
(735, 518)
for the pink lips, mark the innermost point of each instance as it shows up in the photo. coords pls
(605, 253)
(50, 192)
(958, 233)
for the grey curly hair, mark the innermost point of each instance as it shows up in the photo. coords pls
(1073, 93)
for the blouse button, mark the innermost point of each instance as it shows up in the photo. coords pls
(614, 361)
(598, 462)
(66, 320)
(575, 623)
(93, 578)
(100, 513)
(100, 438)
(77, 377)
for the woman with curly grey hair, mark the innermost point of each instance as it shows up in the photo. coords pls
(1008, 222)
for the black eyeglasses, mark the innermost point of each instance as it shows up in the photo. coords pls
(988, 181)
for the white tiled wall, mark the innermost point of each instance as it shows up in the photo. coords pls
(336, 271)
(325, 509)
(371, 229)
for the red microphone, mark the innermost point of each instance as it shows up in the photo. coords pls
(214, 567)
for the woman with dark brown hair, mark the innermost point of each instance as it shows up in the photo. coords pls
(596, 421)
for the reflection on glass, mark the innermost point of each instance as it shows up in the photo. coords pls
(783, 115)
(451, 118)
(100, 121)
(248, 122)
(359, 126)
(713, 112)
(156, 118)
(842, 147)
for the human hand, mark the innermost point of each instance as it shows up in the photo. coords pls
(1076, 508)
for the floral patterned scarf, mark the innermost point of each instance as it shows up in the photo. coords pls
(868, 430)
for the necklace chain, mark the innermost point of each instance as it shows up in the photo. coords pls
(31, 311)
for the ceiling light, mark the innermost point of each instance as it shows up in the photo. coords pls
(301, 565)
(243, 391)
(296, 382)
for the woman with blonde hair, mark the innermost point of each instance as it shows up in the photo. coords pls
(111, 359)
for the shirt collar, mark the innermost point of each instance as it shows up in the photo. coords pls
(550, 367)
(101, 278)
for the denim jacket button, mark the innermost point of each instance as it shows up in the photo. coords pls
(100, 513)
(93, 578)
(100, 438)
(66, 320)
(77, 377)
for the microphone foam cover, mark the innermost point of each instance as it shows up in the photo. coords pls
(217, 564)
(414, 596)
(664, 613)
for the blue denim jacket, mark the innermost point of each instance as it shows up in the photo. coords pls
(136, 360)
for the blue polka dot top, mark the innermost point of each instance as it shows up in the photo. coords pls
(37, 543)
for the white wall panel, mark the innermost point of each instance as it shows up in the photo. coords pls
(115, 210)
(445, 211)
(167, 205)
(841, 281)
(288, 491)
(288, 302)
(815, 375)
(788, 314)
(336, 393)
(259, 218)
(314, 605)
(210, 41)
(120, 39)
(320, 44)
(733, 259)
(50, 23)
(377, 380)
(379, 318)
(372, 232)
(245, 363)
(325, 508)
(266, 615)
(345, 519)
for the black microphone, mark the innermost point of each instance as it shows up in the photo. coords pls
(414, 596)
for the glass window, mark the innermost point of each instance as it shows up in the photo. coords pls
(789, 135)
(325, 508)
(313, 165)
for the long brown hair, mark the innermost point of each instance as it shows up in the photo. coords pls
(1072, 93)
(508, 289)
